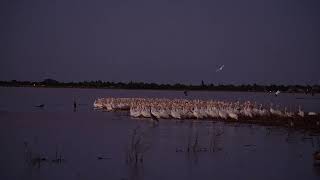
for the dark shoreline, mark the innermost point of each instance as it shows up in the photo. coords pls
(49, 83)
(182, 90)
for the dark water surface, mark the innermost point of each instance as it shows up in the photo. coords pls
(81, 136)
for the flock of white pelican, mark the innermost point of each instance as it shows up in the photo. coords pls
(195, 109)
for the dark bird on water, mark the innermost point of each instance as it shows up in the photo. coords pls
(102, 158)
(40, 106)
(185, 93)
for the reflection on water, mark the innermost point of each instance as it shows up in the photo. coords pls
(63, 142)
(95, 146)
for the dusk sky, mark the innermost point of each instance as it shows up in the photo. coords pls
(163, 41)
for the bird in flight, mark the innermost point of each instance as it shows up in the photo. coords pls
(220, 68)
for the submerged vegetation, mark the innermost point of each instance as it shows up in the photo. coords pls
(35, 157)
(141, 85)
(137, 147)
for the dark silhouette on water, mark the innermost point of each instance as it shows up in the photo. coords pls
(185, 93)
(74, 106)
(142, 85)
(40, 106)
(102, 157)
(33, 158)
(58, 157)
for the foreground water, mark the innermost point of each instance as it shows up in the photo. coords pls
(94, 144)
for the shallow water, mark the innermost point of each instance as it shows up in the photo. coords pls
(241, 151)
(61, 99)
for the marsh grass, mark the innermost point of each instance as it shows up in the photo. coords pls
(199, 143)
(137, 147)
(32, 157)
(214, 139)
(58, 157)
(36, 158)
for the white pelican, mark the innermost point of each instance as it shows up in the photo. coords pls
(275, 112)
(164, 113)
(98, 103)
(223, 114)
(196, 113)
(145, 112)
(232, 114)
(175, 113)
(134, 112)
(155, 112)
(213, 112)
(154, 118)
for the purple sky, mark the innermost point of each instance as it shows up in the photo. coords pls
(164, 41)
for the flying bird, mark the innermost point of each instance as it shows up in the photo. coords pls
(220, 68)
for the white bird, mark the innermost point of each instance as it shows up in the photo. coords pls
(145, 112)
(175, 113)
(98, 104)
(164, 113)
(277, 93)
(134, 112)
(190, 109)
(232, 114)
(220, 68)
(223, 114)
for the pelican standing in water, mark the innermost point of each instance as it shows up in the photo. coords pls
(154, 118)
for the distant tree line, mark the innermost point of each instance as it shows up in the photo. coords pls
(141, 85)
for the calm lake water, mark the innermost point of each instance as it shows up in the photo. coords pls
(82, 135)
